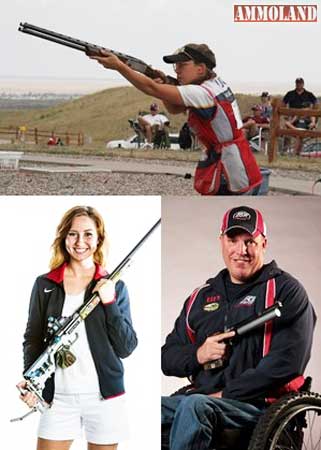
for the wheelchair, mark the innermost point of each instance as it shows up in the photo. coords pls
(291, 423)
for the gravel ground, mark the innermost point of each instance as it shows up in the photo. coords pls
(22, 183)
(296, 174)
(31, 183)
(103, 183)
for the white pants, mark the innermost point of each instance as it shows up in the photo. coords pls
(104, 421)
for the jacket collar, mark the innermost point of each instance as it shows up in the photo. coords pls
(57, 275)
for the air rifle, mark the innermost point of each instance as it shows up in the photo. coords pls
(94, 50)
(245, 327)
(63, 333)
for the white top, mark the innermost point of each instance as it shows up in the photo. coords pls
(202, 96)
(157, 119)
(81, 377)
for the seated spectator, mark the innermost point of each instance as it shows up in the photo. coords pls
(153, 125)
(266, 105)
(300, 98)
(251, 124)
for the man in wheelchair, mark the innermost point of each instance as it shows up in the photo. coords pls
(231, 386)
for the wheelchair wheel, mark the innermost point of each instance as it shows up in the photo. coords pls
(293, 423)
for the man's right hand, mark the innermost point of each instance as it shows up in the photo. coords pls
(28, 397)
(213, 348)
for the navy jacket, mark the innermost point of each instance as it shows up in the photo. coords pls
(248, 376)
(109, 329)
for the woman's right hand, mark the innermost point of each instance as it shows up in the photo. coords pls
(28, 397)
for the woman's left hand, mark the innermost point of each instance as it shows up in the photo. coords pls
(108, 60)
(106, 291)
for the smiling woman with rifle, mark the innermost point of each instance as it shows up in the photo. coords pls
(87, 387)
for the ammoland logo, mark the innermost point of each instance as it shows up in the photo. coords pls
(275, 13)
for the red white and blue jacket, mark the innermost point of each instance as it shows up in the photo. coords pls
(262, 362)
(109, 328)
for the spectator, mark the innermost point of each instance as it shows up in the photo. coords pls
(300, 98)
(153, 125)
(266, 105)
(251, 124)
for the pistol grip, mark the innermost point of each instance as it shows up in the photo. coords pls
(214, 364)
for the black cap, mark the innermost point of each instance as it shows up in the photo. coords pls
(299, 80)
(200, 53)
(246, 218)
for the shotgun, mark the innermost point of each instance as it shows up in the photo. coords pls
(94, 50)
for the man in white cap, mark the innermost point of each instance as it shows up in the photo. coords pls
(227, 165)
(263, 364)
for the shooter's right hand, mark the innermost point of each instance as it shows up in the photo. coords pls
(214, 347)
(27, 397)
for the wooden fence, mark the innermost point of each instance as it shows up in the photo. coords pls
(275, 128)
(34, 135)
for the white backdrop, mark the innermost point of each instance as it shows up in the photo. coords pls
(27, 229)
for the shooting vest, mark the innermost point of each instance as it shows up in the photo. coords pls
(228, 152)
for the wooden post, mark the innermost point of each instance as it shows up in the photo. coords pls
(36, 135)
(274, 128)
(67, 138)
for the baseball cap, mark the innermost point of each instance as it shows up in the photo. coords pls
(199, 53)
(154, 107)
(246, 218)
(299, 80)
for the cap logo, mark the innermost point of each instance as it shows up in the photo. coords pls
(242, 215)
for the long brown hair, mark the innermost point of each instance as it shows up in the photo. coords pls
(59, 252)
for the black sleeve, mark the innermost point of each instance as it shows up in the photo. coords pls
(314, 100)
(290, 348)
(286, 98)
(178, 353)
(119, 323)
(33, 343)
